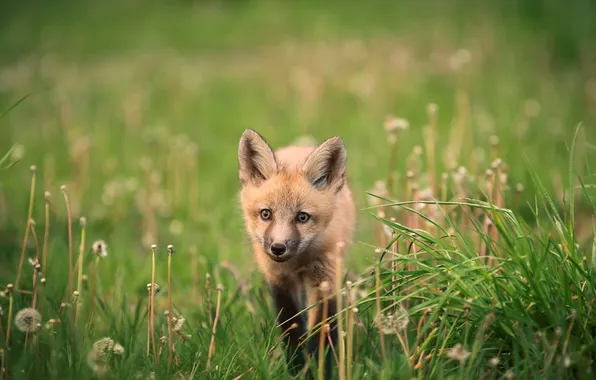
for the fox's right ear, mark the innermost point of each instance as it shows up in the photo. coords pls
(256, 162)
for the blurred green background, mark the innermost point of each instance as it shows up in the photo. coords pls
(137, 106)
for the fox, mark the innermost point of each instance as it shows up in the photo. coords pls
(297, 209)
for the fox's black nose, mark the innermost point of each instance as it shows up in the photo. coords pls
(278, 249)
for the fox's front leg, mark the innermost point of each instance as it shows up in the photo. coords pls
(287, 306)
(324, 311)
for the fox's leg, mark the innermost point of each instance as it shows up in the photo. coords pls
(287, 306)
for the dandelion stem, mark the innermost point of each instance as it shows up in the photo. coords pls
(350, 332)
(322, 333)
(378, 299)
(170, 315)
(152, 305)
(28, 227)
(213, 331)
(23, 249)
(35, 282)
(3, 364)
(94, 285)
(209, 306)
(430, 145)
(9, 290)
(46, 235)
(340, 329)
(83, 222)
(70, 248)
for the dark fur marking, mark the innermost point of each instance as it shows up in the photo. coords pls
(287, 310)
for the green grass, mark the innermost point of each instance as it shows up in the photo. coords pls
(138, 109)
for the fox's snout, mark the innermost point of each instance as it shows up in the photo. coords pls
(278, 249)
(281, 247)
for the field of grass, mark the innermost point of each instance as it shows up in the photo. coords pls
(128, 115)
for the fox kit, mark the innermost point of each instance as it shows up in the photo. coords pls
(297, 207)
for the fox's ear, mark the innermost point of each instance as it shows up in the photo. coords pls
(256, 161)
(325, 167)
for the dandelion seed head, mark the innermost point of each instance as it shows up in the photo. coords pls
(51, 323)
(106, 346)
(156, 288)
(28, 320)
(395, 124)
(100, 248)
(170, 249)
(459, 353)
(83, 222)
(324, 286)
(494, 361)
(177, 323)
(393, 323)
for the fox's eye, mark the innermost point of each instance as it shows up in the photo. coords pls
(266, 214)
(303, 217)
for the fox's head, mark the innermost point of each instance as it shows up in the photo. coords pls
(288, 203)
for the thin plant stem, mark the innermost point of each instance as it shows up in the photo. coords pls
(28, 226)
(34, 235)
(70, 247)
(46, 235)
(170, 332)
(94, 285)
(340, 328)
(9, 290)
(41, 294)
(152, 304)
(324, 288)
(34, 301)
(83, 222)
(23, 249)
(3, 364)
(209, 305)
(430, 145)
(214, 329)
(350, 330)
(378, 301)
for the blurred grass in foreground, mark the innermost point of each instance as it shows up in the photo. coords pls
(138, 111)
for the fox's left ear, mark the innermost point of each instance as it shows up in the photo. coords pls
(255, 159)
(325, 167)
